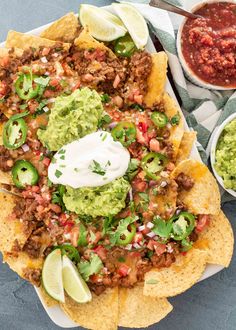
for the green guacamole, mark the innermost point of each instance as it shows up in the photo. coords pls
(97, 201)
(71, 118)
(226, 156)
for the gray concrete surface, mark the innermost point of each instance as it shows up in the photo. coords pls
(209, 305)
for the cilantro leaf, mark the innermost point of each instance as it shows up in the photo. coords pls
(57, 196)
(107, 223)
(132, 170)
(175, 119)
(162, 228)
(88, 268)
(105, 98)
(58, 173)
(121, 229)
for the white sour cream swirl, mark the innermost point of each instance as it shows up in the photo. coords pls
(91, 161)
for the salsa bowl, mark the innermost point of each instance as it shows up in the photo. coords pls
(188, 70)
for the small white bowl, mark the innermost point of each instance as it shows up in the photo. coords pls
(188, 71)
(215, 140)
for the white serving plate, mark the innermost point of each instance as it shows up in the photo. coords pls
(55, 313)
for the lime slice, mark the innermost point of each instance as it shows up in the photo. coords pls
(73, 283)
(101, 24)
(134, 22)
(52, 275)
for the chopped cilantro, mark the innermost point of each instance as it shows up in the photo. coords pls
(175, 119)
(58, 173)
(106, 119)
(61, 152)
(23, 106)
(104, 137)
(132, 170)
(121, 259)
(105, 98)
(53, 161)
(76, 169)
(57, 196)
(96, 168)
(62, 157)
(107, 223)
(137, 107)
(88, 268)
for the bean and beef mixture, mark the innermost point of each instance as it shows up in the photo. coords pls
(150, 229)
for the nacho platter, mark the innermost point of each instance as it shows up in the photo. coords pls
(62, 320)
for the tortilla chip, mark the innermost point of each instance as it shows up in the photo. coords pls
(186, 146)
(99, 314)
(157, 79)
(218, 240)
(86, 41)
(22, 262)
(64, 29)
(204, 197)
(25, 41)
(139, 311)
(4, 52)
(180, 276)
(49, 301)
(10, 229)
(176, 132)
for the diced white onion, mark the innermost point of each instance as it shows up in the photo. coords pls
(25, 147)
(52, 100)
(128, 247)
(163, 184)
(150, 225)
(45, 109)
(67, 235)
(151, 234)
(168, 126)
(141, 228)
(44, 59)
(136, 246)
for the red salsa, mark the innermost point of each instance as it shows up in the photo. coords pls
(209, 44)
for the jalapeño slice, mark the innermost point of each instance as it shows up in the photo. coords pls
(125, 46)
(25, 88)
(24, 174)
(159, 119)
(15, 131)
(127, 236)
(152, 164)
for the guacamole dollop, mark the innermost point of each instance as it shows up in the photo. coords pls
(226, 155)
(71, 118)
(97, 201)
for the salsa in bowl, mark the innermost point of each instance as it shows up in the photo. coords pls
(207, 46)
(223, 151)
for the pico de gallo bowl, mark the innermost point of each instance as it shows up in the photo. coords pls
(206, 46)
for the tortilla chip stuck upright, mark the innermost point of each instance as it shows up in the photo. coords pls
(99, 314)
(179, 277)
(218, 240)
(26, 41)
(186, 146)
(157, 79)
(65, 29)
(139, 311)
(204, 196)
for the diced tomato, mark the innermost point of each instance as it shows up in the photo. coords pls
(142, 138)
(96, 278)
(101, 252)
(54, 82)
(184, 253)
(116, 81)
(135, 254)
(48, 93)
(143, 127)
(4, 61)
(138, 237)
(139, 185)
(123, 270)
(77, 85)
(46, 161)
(3, 88)
(37, 153)
(146, 230)
(63, 219)
(138, 99)
(35, 189)
(154, 145)
(202, 222)
(69, 225)
(45, 51)
(158, 247)
(67, 69)
(74, 236)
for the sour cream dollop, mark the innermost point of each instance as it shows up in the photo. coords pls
(91, 161)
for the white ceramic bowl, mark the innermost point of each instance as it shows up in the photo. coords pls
(215, 140)
(188, 71)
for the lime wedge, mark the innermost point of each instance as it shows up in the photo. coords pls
(134, 22)
(101, 24)
(52, 275)
(73, 283)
